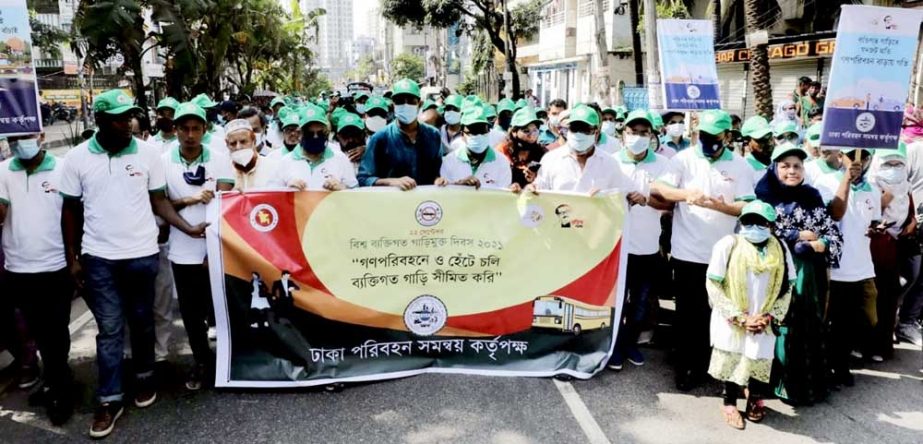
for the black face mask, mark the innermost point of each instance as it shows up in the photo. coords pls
(504, 122)
(196, 178)
(710, 144)
(165, 125)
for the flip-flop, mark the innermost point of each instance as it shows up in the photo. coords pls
(756, 410)
(733, 417)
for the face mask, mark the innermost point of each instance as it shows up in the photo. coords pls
(504, 122)
(790, 113)
(375, 123)
(477, 144)
(580, 143)
(608, 128)
(554, 121)
(755, 234)
(636, 144)
(195, 178)
(893, 175)
(619, 126)
(165, 125)
(675, 129)
(710, 144)
(220, 119)
(25, 149)
(314, 145)
(405, 113)
(452, 117)
(360, 108)
(242, 157)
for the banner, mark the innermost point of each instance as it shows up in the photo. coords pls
(870, 76)
(312, 288)
(687, 64)
(19, 110)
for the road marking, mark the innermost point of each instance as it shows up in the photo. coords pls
(581, 413)
(80, 322)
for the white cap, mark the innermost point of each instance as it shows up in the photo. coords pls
(237, 125)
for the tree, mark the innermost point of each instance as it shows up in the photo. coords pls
(407, 66)
(473, 15)
(759, 63)
(364, 69)
(44, 37)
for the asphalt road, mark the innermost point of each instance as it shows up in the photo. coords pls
(637, 405)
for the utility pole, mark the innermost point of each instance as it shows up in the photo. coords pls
(633, 18)
(654, 95)
(602, 48)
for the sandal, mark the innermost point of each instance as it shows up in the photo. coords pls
(732, 417)
(756, 410)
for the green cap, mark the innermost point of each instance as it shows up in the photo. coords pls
(336, 114)
(505, 105)
(755, 127)
(523, 117)
(585, 114)
(522, 103)
(454, 100)
(787, 148)
(406, 86)
(471, 100)
(311, 114)
(427, 104)
(610, 110)
(714, 121)
(473, 115)
(289, 118)
(277, 101)
(361, 94)
(204, 101)
(490, 111)
(656, 120)
(114, 102)
(350, 119)
(168, 102)
(812, 134)
(759, 208)
(638, 114)
(189, 109)
(784, 127)
(376, 102)
(901, 151)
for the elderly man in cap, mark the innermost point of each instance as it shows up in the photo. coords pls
(112, 186)
(314, 165)
(194, 175)
(406, 153)
(709, 184)
(251, 170)
(474, 162)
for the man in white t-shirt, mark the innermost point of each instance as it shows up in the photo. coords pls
(314, 165)
(709, 184)
(638, 161)
(112, 186)
(194, 175)
(853, 295)
(36, 279)
(251, 170)
(474, 162)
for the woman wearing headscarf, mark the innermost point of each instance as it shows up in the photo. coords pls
(815, 241)
(787, 112)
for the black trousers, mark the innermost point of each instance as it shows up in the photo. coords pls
(193, 290)
(44, 299)
(640, 273)
(693, 314)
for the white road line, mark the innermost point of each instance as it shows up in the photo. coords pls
(581, 413)
(80, 322)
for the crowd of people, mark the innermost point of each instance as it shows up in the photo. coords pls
(788, 260)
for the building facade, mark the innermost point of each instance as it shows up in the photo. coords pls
(334, 34)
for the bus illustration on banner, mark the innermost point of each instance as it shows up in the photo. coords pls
(569, 315)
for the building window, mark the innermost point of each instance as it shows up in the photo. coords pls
(588, 7)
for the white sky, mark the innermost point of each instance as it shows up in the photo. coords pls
(360, 17)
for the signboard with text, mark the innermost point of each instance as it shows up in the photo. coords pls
(870, 77)
(797, 50)
(312, 288)
(687, 64)
(19, 109)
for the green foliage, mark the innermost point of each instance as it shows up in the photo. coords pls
(666, 9)
(364, 69)
(407, 66)
(44, 37)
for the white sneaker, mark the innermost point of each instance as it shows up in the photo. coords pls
(212, 334)
(877, 358)
(856, 354)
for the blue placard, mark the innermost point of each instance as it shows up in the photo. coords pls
(19, 110)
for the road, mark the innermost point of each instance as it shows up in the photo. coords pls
(638, 404)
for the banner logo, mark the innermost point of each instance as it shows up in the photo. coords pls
(264, 218)
(533, 216)
(429, 213)
(425, 315)
(865, 122)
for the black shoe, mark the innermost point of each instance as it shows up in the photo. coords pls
(59, 406)
(684, 381)
(563, 377)
(38, 397)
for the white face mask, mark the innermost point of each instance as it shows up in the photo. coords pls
(580, 143)
(452, 117)
(242, 157)
(608, 127)
(375, 123)
(676, 129)
(636, 144)
(478, 144)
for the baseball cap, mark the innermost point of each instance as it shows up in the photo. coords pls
(406, 86)
(638, 114)
(168, 102)
(585, 114)
(505, 105)
(114, 102)
(786, 148)
(204, 101)
(473, 115)
(311, 114)
(376, 102)
(523, 117)
(759, 208)
(714, 121)
(350, 119)
(755, 127)
(189, 109)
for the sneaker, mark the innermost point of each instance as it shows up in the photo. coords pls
(104, 419)
(28, 377)
(909, 333)
(194, 381)
(145, 397)
(212, 334)
(616, 361)
(877, 359)
(635, 357)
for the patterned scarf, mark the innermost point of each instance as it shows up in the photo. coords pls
(744, 258)
(913, 124)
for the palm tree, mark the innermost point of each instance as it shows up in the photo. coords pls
(759, 63)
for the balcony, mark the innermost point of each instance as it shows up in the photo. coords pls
(48, 63)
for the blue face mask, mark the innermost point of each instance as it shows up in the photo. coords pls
(25, 149)
(360, 108)
(405, 113)
(478, 144)
(313, 145)
(755, 234)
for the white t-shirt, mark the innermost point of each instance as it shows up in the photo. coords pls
(163, 144)
(560, 171)
(697, 229)
(32, 238)
(118, 221)
(279, 153)
(184, 249)
(757, 167)
(609, 144)
(332, 165)
(265, 174)
(274, 136)
(863, 207)
(493, 172)
(820, 175)
(644, 226)
(496, 136)
(447, 142)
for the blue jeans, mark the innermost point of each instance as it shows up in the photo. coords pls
(640, 276)
(116, 290)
